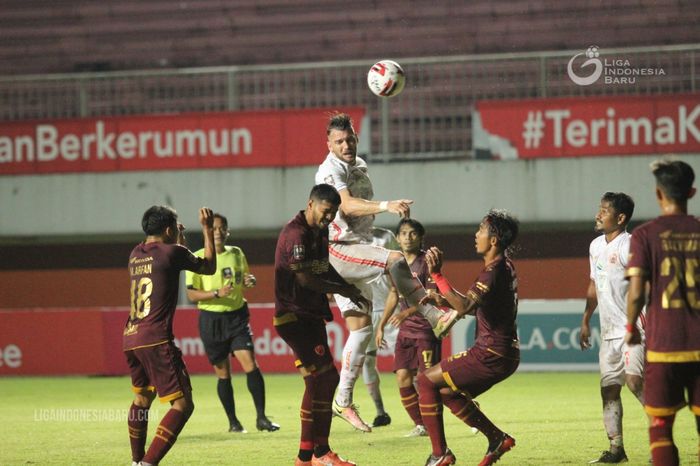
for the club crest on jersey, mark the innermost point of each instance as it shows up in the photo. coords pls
(298, 251)
(329, 180)
(613, 258)
(319, 350)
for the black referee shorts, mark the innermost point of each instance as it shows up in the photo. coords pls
(225, 332)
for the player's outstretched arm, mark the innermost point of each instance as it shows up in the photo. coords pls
(591, 304)
(358, 207)
(392, 299)
(328, 284)
(456, 300)
(206, 220)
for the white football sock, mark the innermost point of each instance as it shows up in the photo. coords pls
(370, 375)
(353, 359)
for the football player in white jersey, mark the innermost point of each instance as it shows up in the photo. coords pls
(620, 364)
(360, 262)
(380, 291)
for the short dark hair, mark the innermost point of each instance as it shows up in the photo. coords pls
(325, 192)
(503, 226)
(157, 219)
(224, 220)
(340, 122)
(674, 177)
(413, 223)
(621, 203)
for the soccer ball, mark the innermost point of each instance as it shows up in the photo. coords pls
(386, 78)
(593, 51)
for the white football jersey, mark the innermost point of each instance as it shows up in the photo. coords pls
(355, 179)
(608, 262)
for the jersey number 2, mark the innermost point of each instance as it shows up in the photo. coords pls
(140, 298)
(685, 272)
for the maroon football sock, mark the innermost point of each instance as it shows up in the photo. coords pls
(431, 412)
(468, 412)
(138, 430)
(663, 451)
(323, 399)
(166, 435)
(306, 414)
(409, 400)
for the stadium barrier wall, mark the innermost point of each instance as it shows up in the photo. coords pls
(541, 278)
(45, 341)
(544, 190)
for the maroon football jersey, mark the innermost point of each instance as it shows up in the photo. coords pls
(416, 326)
(300, 247)
(496, 293)
(155, 277)
(666, 250)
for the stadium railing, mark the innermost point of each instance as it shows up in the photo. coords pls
(431, 119)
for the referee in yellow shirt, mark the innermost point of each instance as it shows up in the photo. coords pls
(224, 324)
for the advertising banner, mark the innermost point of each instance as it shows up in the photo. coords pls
(590, 126)
(549, 336)
(88, 340)
(280, 138)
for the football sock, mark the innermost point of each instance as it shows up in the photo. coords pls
(165, 436)
(431, 412)
(306, 414)
(225, 390)
(256, 387)
(305, 455)
(353, 359)
(412, 290)
(326, 383)
(612, 418)
(663, 451)
(409, 400)
(369, 368)
(138, 429)
(371, 379)
(321, 450)
(469, 412)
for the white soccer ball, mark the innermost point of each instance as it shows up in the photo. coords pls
(386, 78)
(593, 51)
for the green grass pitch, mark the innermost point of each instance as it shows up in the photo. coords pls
(555, 417)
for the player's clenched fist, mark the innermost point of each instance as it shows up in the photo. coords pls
(206, 217)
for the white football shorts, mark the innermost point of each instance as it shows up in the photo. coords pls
(617, 359)
(360, 264)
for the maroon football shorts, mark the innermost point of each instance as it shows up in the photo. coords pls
(665, 386)
(308, 339)
(159, 367)
(416, 354)
(476, 370)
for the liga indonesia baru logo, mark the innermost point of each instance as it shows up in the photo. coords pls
(613, 71)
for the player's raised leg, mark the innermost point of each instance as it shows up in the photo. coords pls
(413, 291)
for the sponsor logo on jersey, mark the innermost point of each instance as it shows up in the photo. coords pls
(298, 252)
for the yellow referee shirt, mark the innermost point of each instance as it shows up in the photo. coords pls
(231, 266)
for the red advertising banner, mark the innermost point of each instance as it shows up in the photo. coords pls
(88, 341)
(167, 142)
(590, 126)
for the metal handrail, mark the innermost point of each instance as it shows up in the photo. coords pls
(431, 119)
